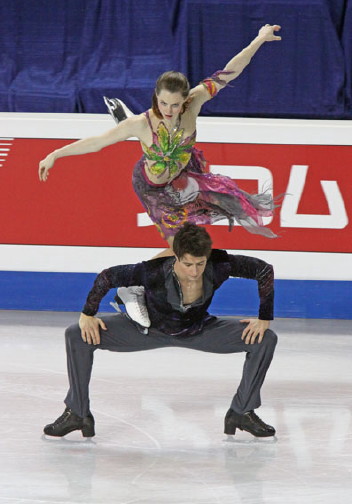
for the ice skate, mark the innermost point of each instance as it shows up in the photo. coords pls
(117, 109)
(69, 422)
(249, 422)
(134, 301)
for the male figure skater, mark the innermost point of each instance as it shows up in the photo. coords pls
(178, 292)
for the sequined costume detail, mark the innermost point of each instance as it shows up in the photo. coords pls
(169, 151)
(194, 195)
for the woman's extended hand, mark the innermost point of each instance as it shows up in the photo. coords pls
(45, 165)
(267, 32)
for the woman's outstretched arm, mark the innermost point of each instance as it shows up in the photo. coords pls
(126, 129)
(237, 64)
(211, 85)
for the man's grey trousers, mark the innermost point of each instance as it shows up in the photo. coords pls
(220, 336)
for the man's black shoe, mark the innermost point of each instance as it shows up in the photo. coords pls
(69, 422)
(249, 422)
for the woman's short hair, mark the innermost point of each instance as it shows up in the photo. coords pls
(192, 239)
(174, 82)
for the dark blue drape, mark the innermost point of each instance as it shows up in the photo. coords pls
(64, 55)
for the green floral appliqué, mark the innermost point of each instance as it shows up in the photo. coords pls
(169, 152)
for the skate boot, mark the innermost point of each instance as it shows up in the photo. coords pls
(134, 301)
(117, 109)
(249, 422)
(69, 422)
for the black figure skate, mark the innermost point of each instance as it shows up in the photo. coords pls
(117, 109)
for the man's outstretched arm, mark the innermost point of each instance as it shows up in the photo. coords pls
(263, 273)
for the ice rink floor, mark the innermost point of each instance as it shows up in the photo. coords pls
(159, 421)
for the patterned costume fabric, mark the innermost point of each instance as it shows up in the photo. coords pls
(210, 82)
(192, 194)
(169, 316)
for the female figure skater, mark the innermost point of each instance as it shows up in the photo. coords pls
(169, 179)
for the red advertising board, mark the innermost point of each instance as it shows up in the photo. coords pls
(89, 200)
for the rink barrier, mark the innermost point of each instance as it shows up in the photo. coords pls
(54, 240)
(68, 291)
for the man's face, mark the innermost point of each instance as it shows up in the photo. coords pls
(191, 268)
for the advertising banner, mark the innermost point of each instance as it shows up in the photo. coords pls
(89, 200)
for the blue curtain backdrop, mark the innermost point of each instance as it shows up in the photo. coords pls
(64, 55)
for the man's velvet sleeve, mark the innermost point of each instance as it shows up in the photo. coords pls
(263, 273)
(117, 276)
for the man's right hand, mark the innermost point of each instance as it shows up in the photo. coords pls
(90, 329)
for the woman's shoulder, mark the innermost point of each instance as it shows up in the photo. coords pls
(139, 118)
(197, 97)
(138, 122)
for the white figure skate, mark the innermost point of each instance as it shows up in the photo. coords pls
(134, 301)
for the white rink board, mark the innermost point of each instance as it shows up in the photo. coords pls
(288, 265)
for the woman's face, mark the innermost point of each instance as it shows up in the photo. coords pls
(170, 104)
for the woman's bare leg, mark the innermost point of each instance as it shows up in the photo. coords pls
(167, 252)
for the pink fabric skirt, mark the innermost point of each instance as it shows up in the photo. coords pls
(201, 198)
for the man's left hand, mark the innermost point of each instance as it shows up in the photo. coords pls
(255, 329)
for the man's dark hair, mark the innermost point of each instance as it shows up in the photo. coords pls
(192, 239)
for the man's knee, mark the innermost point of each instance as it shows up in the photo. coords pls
(73, 335)
(270, 338)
